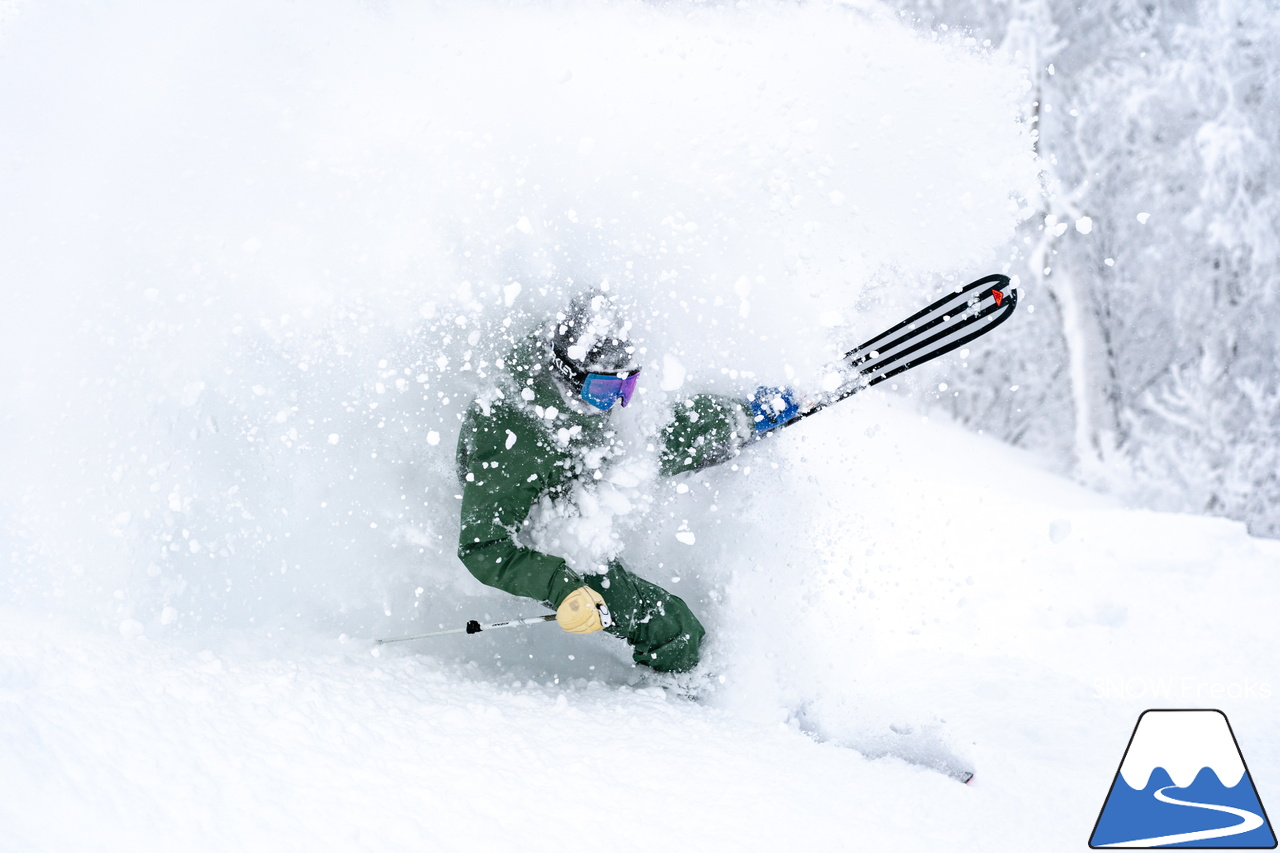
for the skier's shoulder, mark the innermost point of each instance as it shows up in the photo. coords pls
(515, 406)
(494, 411)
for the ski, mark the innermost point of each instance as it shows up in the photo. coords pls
(919, 748)
(949, 323)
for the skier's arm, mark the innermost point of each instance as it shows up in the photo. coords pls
(500, 483)
(704, 430)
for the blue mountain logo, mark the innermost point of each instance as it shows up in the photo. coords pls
(1183, 783)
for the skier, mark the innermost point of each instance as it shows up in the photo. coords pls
(548, 424)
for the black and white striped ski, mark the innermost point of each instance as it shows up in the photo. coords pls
(953, 321)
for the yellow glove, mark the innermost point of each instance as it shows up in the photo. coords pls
(583, 612)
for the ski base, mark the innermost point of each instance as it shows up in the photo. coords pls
(947, 324)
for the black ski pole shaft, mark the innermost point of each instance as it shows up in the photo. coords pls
(473, 627)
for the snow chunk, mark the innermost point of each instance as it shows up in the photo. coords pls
(673, 374)
(1084, 225)
(191, 393)
(333, 438)
(524, 226)
(510, 292)
(686, 536)
(620, 476)
(511, 439)
(1143, 217)
(433, 438)
(742, 289)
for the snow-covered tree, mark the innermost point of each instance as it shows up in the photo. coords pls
(1155, 255)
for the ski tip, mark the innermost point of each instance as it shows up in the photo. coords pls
(966, 777)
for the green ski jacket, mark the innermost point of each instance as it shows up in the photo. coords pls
(526, 441)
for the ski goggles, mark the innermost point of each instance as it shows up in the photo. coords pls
(599, 389)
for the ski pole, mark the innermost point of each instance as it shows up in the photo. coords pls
(473, 627)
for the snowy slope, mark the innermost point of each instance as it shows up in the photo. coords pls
(254, 261)
(986, 629)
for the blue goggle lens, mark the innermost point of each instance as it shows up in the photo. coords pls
(601, 389)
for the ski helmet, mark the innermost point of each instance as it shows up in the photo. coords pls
(592, 352)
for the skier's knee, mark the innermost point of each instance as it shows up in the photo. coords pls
(676, 645)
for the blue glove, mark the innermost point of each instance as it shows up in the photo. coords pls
(773, 407)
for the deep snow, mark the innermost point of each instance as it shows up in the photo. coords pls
(255, 259)
(1029, 657)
